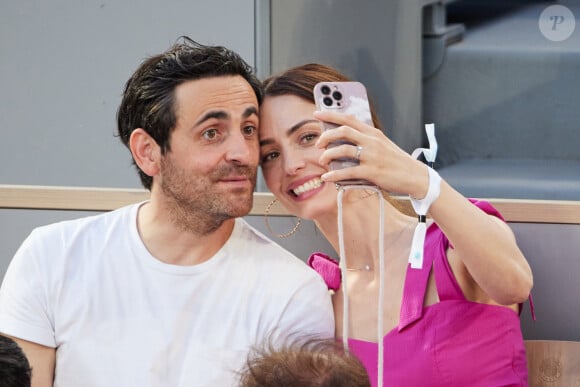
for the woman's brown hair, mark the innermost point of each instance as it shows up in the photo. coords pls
(300, 81)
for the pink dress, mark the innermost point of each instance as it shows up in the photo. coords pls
(454, 342)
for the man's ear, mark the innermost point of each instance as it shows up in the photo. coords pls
(146, 152)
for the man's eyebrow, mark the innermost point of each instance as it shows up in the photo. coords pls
(222, 115)
(217, 114)
(252, 110)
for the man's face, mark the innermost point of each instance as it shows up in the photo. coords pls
(209, 174)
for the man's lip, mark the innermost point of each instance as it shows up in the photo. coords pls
(235, 178)
(238, 182)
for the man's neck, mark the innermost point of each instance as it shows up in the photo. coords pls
(172, 244)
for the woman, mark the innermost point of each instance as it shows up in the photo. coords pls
(455, 321)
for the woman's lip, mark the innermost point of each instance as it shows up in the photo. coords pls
(297, 183)
(308, 194)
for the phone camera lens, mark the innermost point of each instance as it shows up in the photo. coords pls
(327, 101)
(337, 95)
(325, 90)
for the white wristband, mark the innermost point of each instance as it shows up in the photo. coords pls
(421, 207)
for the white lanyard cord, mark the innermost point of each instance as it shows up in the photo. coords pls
(421, 207)
(342, 264)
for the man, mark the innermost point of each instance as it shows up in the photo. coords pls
(173, 291)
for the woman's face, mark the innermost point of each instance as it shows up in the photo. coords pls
(289, 159)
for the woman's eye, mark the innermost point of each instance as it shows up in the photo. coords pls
(249, 130)
(210, 134)
(270, 156)
(308, 138)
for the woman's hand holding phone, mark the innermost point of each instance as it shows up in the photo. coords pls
(346, 98)
(381, 161)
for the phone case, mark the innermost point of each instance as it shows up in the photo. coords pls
(347, 98)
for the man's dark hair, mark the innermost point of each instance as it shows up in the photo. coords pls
(149, 97)
(14, 367)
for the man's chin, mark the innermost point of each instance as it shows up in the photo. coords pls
(241, 205)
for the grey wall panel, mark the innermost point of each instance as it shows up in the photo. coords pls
(553, 251)
(63, 68)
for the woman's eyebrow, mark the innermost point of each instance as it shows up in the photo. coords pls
(299, 124)
(289, 132)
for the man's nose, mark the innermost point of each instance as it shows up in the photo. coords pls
(242, 149)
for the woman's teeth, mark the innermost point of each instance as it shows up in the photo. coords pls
(309, 185)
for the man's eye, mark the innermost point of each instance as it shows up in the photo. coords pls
(210, 134)
(249, 130)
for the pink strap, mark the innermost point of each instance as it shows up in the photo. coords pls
(416, 286)
(327, 268)
(447, 286)
(532, 310)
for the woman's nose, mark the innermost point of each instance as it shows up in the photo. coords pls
(293, 162)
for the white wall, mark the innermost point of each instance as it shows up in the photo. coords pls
(64, 64)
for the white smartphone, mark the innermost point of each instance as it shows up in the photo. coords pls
(348, 98)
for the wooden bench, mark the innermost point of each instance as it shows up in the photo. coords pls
(553, 363)
(106, 199)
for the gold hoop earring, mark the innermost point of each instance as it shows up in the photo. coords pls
(290, 233)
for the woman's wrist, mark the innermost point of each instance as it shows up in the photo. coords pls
(421, 183)
(429, 195)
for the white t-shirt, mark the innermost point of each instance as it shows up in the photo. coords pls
(119, 317)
